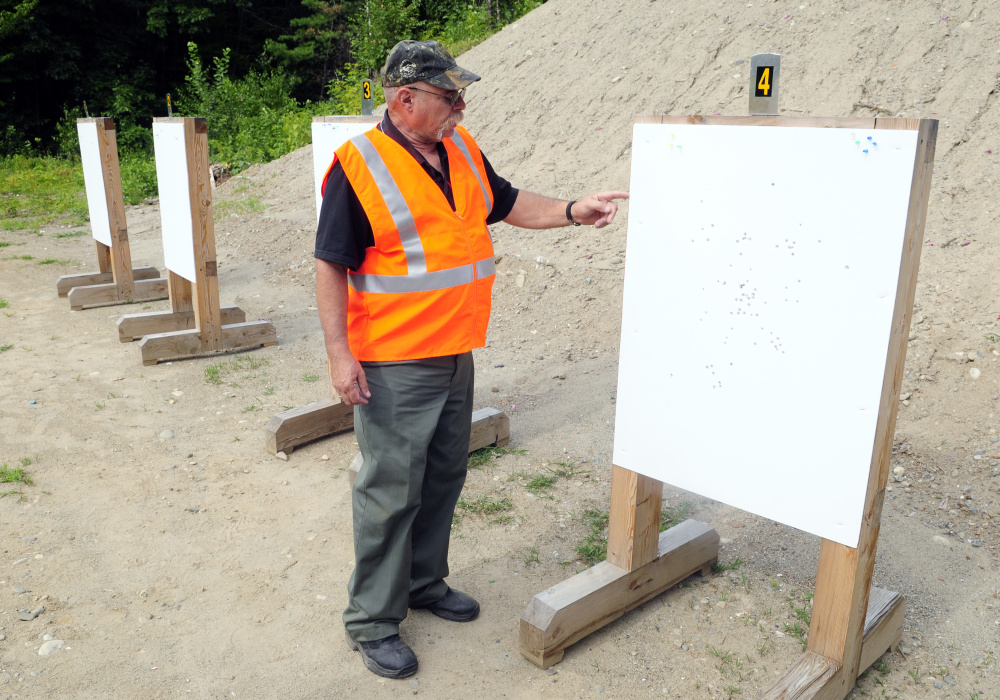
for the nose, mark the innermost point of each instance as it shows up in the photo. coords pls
(460, 104)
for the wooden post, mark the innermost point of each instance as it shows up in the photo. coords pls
(634, 520)
(844, 636)
(196, 324)
(116, 282)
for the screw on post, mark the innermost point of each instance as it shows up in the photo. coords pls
(170, 107)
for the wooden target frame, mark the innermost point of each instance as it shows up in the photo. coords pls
(853, 623)
(196, 324)
(116, 281)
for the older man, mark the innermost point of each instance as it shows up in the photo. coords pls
(404, 273)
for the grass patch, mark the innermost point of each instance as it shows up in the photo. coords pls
(69, 234)
(5, 348)
(308, 377)
(540, 484)
(240, 202)
(593, 549)
(481, 457)
(16, 475)
(493, 509)
(52, 261)
(736, 563)
(244, 364)
(4, 244)
(39, 191)
(992, 337)
(20, 257)
(3, 303)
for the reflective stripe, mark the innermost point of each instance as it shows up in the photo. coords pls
(485, 268)
(422, 281)
(413, 282)
(457, 140)
(400, 212)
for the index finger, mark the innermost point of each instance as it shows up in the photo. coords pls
(616, 194)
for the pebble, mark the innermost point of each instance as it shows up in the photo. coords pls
(974, 373)
(599, 689)
(3, 637)
(166, 434)
(414, 684)
(19, 590)
(494, 389)
(51, 646)
(325, 458)
(899, 471)
(950, 680)
(615, 261)
(941, 539)
(29, 616)
(282, 456)
(498, 365)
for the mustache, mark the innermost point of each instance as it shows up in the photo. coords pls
(452, 121)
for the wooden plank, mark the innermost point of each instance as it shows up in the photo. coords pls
(86, 279)
(135, 326)
(634, 524)
(843, 579)
(289, 429)
(206, 285)
(104, 258)
(760, 120)
(490, 428)
(805, 679)
(181, 293)
(569, 611)
(110, 293)
(883, 625)
(179, 345)
(121, 255)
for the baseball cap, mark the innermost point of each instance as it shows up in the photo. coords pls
(424, 61)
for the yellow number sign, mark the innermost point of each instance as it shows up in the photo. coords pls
(763, 81)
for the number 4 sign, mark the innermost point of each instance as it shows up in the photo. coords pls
(764, 70)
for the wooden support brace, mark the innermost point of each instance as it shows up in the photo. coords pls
(105, 294)
(178, 345)
(815, 676)
(569, 611)
(87, 279)
(135, 326)
(289, 429)
(490, 428)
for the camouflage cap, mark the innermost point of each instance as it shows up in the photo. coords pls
(424, 61)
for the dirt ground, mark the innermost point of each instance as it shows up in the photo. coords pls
(174, 557)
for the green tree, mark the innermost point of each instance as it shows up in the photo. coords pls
(316, 46)
(376, 26)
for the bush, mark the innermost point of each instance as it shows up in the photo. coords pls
(138, 170)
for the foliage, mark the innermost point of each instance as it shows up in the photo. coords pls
(38, 191)
(376, 27)
(315, 46)
(593, 549)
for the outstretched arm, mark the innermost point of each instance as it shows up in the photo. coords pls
(532, 210)
(347, 378)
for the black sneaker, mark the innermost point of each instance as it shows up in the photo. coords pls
(455, 606)
(389, 657)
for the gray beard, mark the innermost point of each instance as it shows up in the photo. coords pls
(453, 121)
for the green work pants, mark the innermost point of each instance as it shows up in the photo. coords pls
(414, 439)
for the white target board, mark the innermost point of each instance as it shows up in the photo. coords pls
(762, 267)
(93, 178)
(175, 198)
(327, 138)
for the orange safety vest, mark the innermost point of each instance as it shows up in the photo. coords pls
(425, 289)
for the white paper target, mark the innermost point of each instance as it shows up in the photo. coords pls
(175, 198)
(327, 138)
(761, 275)
(93, 178)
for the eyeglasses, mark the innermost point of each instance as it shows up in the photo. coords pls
(451, 98)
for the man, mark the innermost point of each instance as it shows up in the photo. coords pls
(404, 273)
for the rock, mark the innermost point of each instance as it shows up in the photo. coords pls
(974, 373)
(282, 456)
(494, 389)
(941, 539)
(325, 458)
(51, 646)
(167, 434)
(615, 261)
(519, 281)
(950, 680)
(19, 590)
(27, 616)
(899, 471)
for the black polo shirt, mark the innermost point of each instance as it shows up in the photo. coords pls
(344, 231)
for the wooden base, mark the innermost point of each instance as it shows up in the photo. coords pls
(135, 326)
(490, 428)
(569, 611)
(67, 282)
(289, 429)
(177, 345)
(104, 294)
(816, 677)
